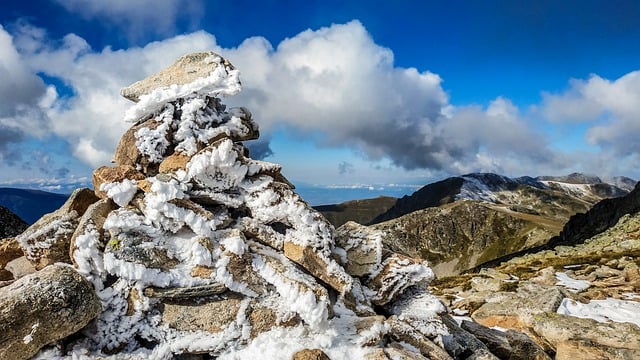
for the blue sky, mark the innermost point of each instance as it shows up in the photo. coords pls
(367, 95)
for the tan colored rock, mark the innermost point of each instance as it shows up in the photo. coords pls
(264, 317)
(241, 270)
(127, 152)
(199, 314)
(398, 273)
(43, 307)
(185, 70)
(48, 240)
(310, 354)
(202, 271)
(589, 350)
(9, 250)
(396, 351)
(485, 284)
(174, 162)
(317, 265)
(516, 310)
(378, 354)
(546, 276)
(110, 174)
(92, 220)
(366, 328)
(556, 328)
(524, 347)
(20, 267)
(402, 331)
(363, 247)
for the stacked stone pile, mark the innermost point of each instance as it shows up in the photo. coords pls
(189, 246)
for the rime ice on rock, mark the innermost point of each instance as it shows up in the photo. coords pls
(200, 249)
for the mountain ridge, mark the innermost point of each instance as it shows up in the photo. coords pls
(30, 204)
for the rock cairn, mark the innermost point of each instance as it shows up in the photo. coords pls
(192, 247)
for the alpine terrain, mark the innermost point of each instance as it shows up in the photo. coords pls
(187, 248)
(462, 222)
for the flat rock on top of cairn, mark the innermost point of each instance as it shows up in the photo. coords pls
(186, 69)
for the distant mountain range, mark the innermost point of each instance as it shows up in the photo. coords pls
(462, 222)
(30, 205)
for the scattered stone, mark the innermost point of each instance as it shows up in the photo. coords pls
(20, 267)
(461, 344)
(263, 316)
(92, 220)
(556, 328)
(523, 347)
(516, 310)
(174, 162)
(307, 354)
(590, 350)
(397, 351)
(371, 328)
(506, 344)
(44, 307)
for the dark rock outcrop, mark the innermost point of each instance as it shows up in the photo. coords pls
(10, 223)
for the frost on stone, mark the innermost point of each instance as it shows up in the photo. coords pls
(38, 239)
(120, 192)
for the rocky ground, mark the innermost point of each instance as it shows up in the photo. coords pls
(555, 296)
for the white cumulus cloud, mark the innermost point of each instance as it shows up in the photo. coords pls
(334, 84)
(611, 108)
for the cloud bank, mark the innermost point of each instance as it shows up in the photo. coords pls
(334, 84)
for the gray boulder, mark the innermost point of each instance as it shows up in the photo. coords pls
(43, 307)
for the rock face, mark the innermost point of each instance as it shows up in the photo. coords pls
(464, 234)
(44, 307)
(193, 247)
